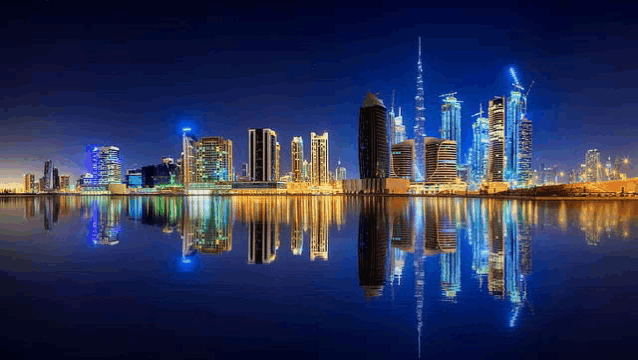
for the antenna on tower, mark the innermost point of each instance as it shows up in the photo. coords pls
(392, 108)
(419, 49)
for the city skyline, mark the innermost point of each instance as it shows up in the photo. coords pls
(57, 96)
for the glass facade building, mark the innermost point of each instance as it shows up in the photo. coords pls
(319, 158)
(451, 121)
(374, 154)
(440, 161)
(496, 159)
(107, 165)
(262, 152)
(213, 159)
(297, 159)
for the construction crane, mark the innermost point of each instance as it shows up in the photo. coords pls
(448, 94)
(480, 113)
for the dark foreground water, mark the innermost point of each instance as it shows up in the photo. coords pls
(317, 277)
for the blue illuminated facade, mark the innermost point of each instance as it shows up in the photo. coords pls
(451, 122)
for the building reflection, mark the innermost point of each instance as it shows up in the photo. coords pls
(206, 225)
(105, 219)
(263, 231)
(321, 210)
(373, 245)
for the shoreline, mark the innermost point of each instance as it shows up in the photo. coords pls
(471, 196)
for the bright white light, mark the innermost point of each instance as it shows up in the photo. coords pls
(186, 129)
(513, 73)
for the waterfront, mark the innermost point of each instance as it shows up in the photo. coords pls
(384, 277)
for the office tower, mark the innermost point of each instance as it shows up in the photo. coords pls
(262, 151)
(56, 179)
(451, 121)
(213, 159)
(340, 172)
(107, 165)
(29, 183)
(134, 178)
(374, 154)
(480, 149)
(189, 154)
(296, 158)
(42, 184)
(277, 160)
(419, 121)
(65, 183)
(319, 158)
(440, 161)
(403, 160)
(593, 165)
(398, 127)
(496, 160)
(48, 176)
(524, 159)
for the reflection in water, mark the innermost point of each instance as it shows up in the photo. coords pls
(373, 246)
(263, 231)
(206, 226)
(104, 227)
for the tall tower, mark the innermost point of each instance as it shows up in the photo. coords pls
(188, 158)
(480, 148)
(319, 158)
(262, 151)
(107, 165)
(48, 176)
(593, 165)
(277, 160)
(296, 158)
(524, 164)
(214, 160)
(374, 152)
(419, 121)
(496, 160)
(451, 121)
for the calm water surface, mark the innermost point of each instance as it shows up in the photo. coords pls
(317, 277)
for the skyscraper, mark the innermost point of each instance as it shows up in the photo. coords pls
(262, 152)
(524, 165)
(189, 154)
(65, 183)
(593, 165)
(277, 160)
(419, 120)
(213, 160)
(496, 160)
(48, 176)
(440, 161)
(479, 152)
(374, 161)
(340, 172)
(29, 183)
(56, 179)
(296, 158)
(107, 165)
(518, 136)
(399, 129)
(319, 158)
(403, 160)
(451, 121)
(307, 171)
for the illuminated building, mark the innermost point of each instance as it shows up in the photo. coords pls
(307, 171)
(189, 155)
(85, 180)
(419, 121)
(398, 129)
(593, 165)
(277, 161)
(107, 165)
(213, 160)
(262, 152)
(403, 160)
(56, 179)
(160, 174)
(319, 158)
(134, 178)
(518, 136)
(65, 183)
(440, 161)
(340, 172)
(524, 164)
(374, 161)
(48, 176)
(496, 159)
(451, 121)
(297, 159)
(30, 186)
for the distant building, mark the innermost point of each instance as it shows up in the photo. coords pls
(524, 152)
(403, 160)
(296, 158)
(134, 178)
(56, 179)
(86, 180)
(189, 156)
(479, 152)
(160, 175)
(213, 159)
(397, 127)
(451, 121)
(593, 165)
(262, 151)
(107, 165)
(340, 172)
(374, 154)
(42, 184)
(496, 159)
(307, 171)
(65, 183)
(319, 158)
(48, 176)
(440, 161)
(30, 185)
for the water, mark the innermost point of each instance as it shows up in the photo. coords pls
(317, 277)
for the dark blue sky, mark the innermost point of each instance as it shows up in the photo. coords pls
(132, 75)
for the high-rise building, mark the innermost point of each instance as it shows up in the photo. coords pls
(403, 160)
(419, 121)
(56, 179)
(134, 178)
(593, 165)
(307, 170)
(479, 152)
(262, 152)
(30, 185)
(496, 160)
(397, 129)
(340, 172)
(319, 158)
(213, 159)
(161, 175)
(296, 158)
(42, 184)
(65, 183)
(48, 176)
(451, 121)
(374, 154)
(277, 161)
(189, 155)
(524, 160)
(440, 161)
(107, 165)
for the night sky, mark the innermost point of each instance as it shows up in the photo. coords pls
(133, 75)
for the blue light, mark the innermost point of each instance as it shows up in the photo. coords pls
(186, 129)
(514, 76)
